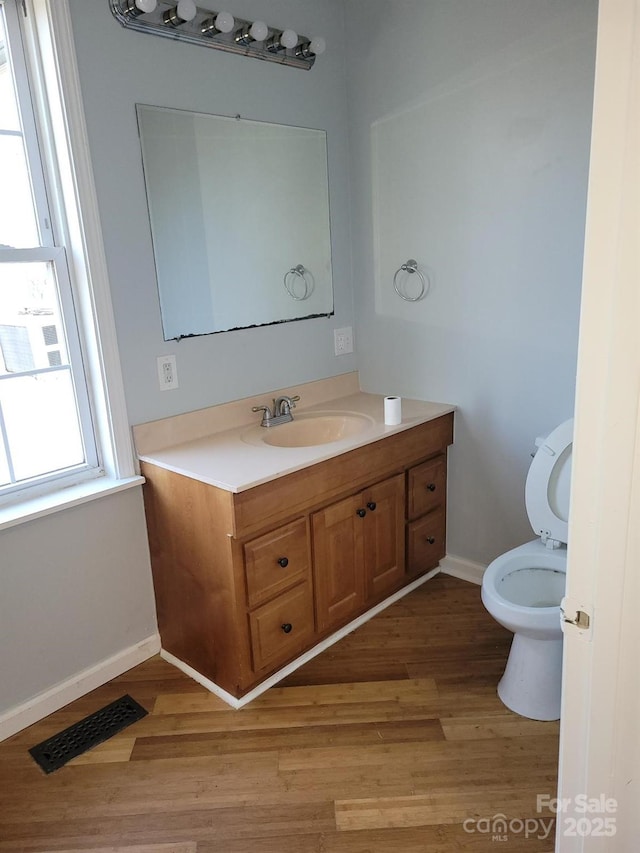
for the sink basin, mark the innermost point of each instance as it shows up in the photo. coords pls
(311, 429)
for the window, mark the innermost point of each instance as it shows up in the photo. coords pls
(46, 430)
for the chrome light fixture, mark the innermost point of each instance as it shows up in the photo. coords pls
(184, 21)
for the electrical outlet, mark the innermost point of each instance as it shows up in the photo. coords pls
(343, 340)
(167, 372)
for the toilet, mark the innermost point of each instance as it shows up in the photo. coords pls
(522, 589)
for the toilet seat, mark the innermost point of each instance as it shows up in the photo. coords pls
(547, 486)
(519, 615)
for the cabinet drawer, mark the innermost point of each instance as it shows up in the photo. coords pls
(282, 628)
(276, 561)
(426, 542)
(427, 486)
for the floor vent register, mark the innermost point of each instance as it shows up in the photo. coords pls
(56, 751)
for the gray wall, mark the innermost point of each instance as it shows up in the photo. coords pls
(118, 68)
(75, 590)
(492, 99)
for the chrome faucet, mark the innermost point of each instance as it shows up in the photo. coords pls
(281, 413)
(283, 406)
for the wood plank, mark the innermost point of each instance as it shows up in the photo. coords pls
(443, 838)
(408, 690)
(179, 847)
(286, 739)
(116, 749)
(434, 809)
(511, 726)
(431, 757)
(248, 719)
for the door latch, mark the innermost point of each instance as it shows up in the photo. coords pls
(576, 615)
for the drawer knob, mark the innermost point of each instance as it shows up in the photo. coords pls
(431, 540)
(284, 562)
(361, 512)
(431, 487)
(287, 627)
(371, 505)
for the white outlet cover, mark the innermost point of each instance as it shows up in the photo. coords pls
(167, 372)
(343, 340)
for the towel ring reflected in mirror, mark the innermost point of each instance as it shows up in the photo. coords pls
(296, 276)
(399, 281)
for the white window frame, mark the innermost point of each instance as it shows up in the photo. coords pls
(49, 48)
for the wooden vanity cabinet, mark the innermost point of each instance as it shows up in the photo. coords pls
(245, 582)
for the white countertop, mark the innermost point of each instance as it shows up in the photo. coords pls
(236, 459)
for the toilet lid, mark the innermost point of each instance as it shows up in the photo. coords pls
(548, 481)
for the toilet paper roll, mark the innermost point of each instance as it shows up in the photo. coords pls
(392, 411)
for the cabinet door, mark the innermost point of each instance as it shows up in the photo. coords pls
(384, 537)
(426, 542)
(338, 534)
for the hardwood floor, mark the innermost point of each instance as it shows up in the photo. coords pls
(386, 743)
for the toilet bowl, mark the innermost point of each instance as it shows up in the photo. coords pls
(522, 589)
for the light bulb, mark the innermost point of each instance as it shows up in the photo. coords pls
(289, 38)
(187, 10)
(317, 45)
(259, 31)
(225, 22)
(135, 8)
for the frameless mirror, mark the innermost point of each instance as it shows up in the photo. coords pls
(239, 216)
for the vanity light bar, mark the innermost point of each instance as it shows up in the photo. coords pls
(184, 21)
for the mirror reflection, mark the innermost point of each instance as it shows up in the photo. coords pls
(239, 216)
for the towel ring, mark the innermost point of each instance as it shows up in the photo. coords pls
(295, 275)
(410, 267)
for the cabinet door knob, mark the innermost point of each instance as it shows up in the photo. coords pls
(284, 562)
(361, 512)
(431, 540)
(372, 505)
(431, 487)
(287, 627)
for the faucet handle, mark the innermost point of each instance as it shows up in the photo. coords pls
(266, 414)
(289, 402)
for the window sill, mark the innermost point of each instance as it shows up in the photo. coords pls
(37, 507)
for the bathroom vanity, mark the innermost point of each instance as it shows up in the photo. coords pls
(261, 552)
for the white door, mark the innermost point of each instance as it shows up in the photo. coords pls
(600, 729)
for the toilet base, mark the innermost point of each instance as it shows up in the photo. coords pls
(532, 682)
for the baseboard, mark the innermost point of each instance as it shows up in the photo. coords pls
(466, 570)
(40, 706)
(236, 703)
